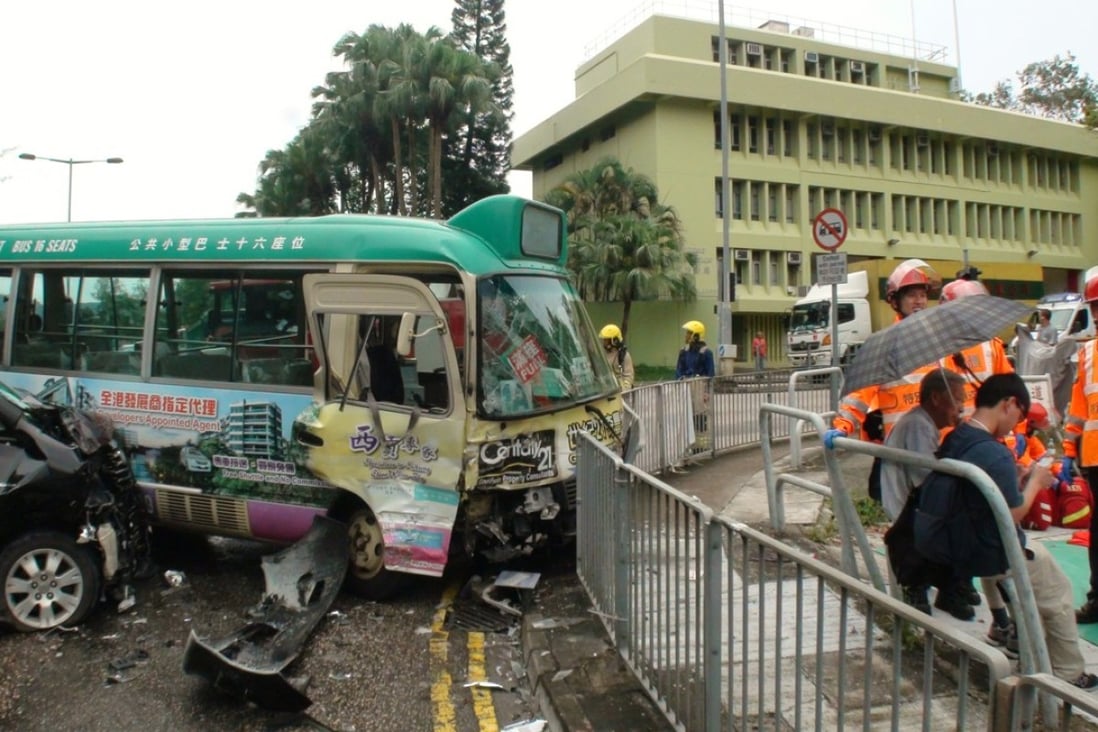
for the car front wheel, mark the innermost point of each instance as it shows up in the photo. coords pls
(49, 580)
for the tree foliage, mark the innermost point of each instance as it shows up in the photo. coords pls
(1054, 88)
(479, 158)
(624, 244)
(413, 123)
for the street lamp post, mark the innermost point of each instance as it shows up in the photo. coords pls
(69, 162)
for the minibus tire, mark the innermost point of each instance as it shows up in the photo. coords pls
(79, 563)
(367, 576)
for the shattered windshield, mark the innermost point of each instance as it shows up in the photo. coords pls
(810, 316)
(538, 351)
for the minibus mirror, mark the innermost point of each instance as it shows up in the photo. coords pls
(405, 334)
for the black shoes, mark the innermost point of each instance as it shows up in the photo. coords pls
(1086, 682)
(954, 604)
(916, 598)
(1005, 637)
(1088, 613)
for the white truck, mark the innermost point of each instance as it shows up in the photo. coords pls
(808, 338)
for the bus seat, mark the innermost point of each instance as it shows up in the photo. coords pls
(299, 372)
(208, 367)
(113, 362)
(41, 355)
(262, 370)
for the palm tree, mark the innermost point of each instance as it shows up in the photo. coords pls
(402, 101)
(457, 83)
(624, 244)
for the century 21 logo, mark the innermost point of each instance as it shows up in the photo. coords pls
(534, 448)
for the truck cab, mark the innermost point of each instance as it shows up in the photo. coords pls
(808, 339)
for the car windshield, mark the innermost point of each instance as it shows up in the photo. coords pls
(538, 349)
(810, 316)
(9, 394)
(1061, 319)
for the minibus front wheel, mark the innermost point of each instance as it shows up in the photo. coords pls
(367, 576)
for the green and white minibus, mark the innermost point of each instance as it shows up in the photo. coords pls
(422, 381)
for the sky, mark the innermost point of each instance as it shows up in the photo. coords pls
(193, 95)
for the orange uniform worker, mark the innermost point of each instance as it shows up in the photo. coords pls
(977, 363)
(1081, 440)
(907, 290)
(1027, 447)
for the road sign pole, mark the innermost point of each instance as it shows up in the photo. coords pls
(834, 345)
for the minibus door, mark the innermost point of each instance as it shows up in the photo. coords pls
(398, 448)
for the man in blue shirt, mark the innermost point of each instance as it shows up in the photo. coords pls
(696, 360)
(955, 523)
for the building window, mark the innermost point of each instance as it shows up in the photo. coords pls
(841, 142)
(772, 201)
(771, 134)
(734, 130)
(787, 137)
(737, 200)
(860, 200)
(774, 267)
(856, 146)
(718, 198)
(813, 139)
(755, 195)
(756, 268)
(790, 203)
(752, 134)
(875, 205)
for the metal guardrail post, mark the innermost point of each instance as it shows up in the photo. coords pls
(795, 428)
(711, 609)
(623, 527)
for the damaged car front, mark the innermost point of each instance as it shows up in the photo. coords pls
(72, 526)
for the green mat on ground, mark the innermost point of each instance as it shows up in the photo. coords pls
(1073, 560)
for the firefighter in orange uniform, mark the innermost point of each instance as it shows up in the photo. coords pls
(907, 290)
(1081, 440)
(978, 362)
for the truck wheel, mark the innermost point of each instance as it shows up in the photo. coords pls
(49, 580)
(367, 576)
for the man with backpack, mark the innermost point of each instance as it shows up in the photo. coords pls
(618, 355)
(954, 523)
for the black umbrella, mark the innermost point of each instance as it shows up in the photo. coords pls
(928, 335)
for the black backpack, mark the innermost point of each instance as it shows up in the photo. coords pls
(954, 524)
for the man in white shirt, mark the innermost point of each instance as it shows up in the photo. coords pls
(941, 399)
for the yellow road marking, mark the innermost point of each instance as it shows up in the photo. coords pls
(482, 698)
(441, 681)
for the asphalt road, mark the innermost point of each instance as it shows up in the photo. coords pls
(372, 666)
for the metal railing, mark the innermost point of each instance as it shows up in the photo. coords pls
(1034, 652)
(676, 431)
(728, 628)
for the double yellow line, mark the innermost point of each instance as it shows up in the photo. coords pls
(442, 683)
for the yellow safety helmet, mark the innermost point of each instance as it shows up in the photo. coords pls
(610, 331)
(695, 327)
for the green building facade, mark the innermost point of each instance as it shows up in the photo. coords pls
(816, 125)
